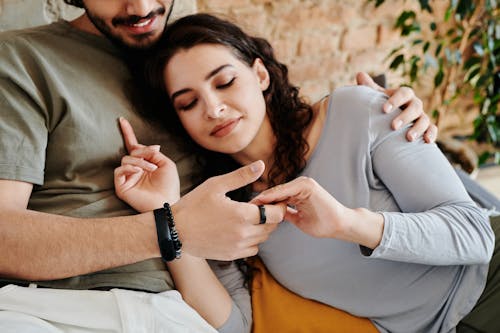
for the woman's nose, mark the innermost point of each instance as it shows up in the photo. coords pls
(215, 108)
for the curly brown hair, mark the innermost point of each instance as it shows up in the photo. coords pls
(288, 113)
(76, 3)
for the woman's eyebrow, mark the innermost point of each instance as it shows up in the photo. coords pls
(217, 70)
(208, 76)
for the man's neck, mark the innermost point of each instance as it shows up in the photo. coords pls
(83, 23)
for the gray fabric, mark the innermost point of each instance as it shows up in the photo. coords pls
(431, 265)
(61, 93)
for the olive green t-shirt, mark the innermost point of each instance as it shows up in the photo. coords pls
(61, 93)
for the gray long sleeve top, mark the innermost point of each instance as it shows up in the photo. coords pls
(431, 265)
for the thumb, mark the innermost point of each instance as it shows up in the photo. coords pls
(240, 177)
(363, 79)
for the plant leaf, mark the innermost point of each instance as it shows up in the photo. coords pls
(397, 62)
(438, 78)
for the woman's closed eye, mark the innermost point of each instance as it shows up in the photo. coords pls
(227, 84)
(188, 106)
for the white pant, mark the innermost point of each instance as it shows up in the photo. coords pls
(44, 310)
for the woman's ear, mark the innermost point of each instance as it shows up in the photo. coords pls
(262, 73)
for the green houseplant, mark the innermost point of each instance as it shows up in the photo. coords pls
(460, 50)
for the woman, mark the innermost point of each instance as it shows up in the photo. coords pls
(409, 251)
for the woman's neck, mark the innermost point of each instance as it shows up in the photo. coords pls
(261, 148)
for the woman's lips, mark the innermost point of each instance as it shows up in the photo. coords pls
(224, 128)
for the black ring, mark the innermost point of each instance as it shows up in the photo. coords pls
(262, 212)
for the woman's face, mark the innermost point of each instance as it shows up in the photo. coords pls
(219, 98)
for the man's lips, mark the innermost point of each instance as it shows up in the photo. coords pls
(142, 26)
(225, 128)
(138, 24)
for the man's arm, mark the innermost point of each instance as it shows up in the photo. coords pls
(41, 246)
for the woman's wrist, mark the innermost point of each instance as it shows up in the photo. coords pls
(366, 227)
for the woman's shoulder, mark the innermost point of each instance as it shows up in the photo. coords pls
(358, 100)
(360, 107)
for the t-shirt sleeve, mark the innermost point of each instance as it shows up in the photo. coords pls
(23, 120)
(439, 224)
(240, 319)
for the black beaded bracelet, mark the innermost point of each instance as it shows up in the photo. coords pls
(163, 233)
(173, 232)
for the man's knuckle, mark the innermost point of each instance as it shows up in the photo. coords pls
(253, 251)
(418, 102)
(407, 90)
(241, 235)
(308, 181)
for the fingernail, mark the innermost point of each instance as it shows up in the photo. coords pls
(388, 107)
(413, 136)
(398, 124)
(255, 166)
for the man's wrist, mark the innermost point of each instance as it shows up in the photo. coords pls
(168, 239)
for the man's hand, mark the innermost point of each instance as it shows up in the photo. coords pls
(404, 98)
(213, 226)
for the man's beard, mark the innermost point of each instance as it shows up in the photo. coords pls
(142, 40)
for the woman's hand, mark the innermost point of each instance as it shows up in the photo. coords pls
(313, 210)
(146, 178)
(412, 106)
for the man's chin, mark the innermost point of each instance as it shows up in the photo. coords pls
(136, 43)
(140, 45)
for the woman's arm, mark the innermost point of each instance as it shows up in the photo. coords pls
(419, 178)
(203, 291)
(232, 278)
(145, 180)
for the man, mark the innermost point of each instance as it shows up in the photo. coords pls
(62, 89)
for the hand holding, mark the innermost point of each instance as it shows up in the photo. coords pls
(211, 225)
(317, 213)
(314, 211)
(412, 106)
(146, 178)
